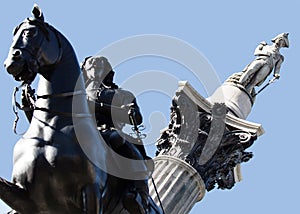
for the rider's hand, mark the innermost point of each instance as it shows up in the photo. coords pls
(129, 108)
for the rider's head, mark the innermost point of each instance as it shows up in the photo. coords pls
(98, 68)
(282, 40)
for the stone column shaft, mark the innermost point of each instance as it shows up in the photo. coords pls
(178, 184)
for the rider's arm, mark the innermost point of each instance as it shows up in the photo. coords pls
(122, 114)
(123, 107)
(132, 109)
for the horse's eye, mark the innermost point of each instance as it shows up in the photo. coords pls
(29, 32)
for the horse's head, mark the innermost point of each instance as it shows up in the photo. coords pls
(35, 47)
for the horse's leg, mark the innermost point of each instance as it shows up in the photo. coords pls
(15, 197)
(91, 196)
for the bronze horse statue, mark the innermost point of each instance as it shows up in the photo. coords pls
(51, 171)
(60, 162)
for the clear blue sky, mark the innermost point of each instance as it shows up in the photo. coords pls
(226, 33)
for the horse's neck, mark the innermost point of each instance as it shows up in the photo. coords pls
(61, 85)
(63, 76)
(62, 79)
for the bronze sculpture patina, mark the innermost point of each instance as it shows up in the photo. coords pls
(51, 173)
(60, 163)
(113, 108)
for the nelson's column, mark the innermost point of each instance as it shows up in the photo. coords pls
(206, 139)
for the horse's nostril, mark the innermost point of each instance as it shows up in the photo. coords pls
(17, 53)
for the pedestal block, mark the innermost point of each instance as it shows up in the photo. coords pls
(235, 97)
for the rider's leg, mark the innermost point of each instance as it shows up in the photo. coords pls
(137, 196)
(91, 198)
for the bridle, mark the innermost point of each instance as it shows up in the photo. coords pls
(34, 66)
(17, 106)
(63, 95)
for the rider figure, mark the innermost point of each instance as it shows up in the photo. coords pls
(113, 107)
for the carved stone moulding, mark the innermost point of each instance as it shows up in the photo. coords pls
(235, 97)
(205, 105)
(207, 137)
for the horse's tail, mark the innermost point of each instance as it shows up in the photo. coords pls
(16, 197)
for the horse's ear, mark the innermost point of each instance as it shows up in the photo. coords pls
(37, 13)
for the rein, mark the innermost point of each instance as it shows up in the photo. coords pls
(66, 94)
(62, 95)
(16, 106)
